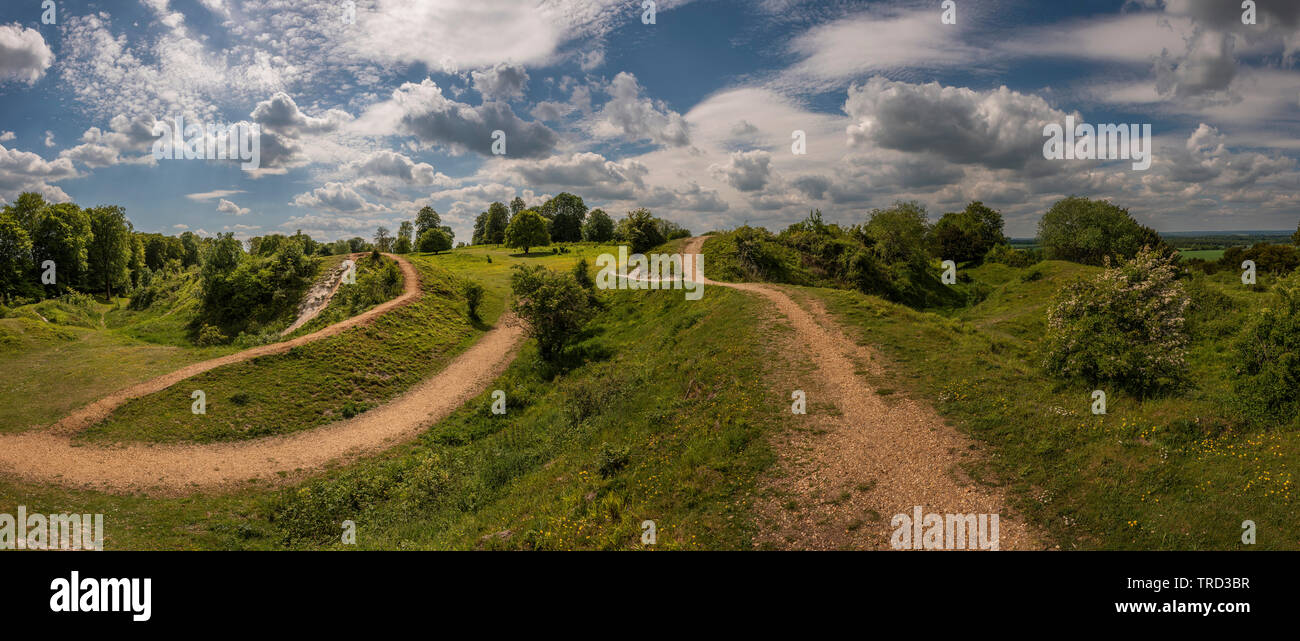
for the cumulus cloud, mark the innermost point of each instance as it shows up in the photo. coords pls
(226, 207)
(337, 197)
(500, 82)
(24, 56)
(747, 170)
(590, 172)
(998, 128)
(424, 112)
(1205, 158)
(390, 164)
(129, 137)
(638, 118)
(25, 171)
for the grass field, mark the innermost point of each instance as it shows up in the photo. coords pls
(1203, 254)
(1171, 472)
(659, 413)
(337, 377)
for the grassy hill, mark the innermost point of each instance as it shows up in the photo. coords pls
(659, 413)
(1177, 471)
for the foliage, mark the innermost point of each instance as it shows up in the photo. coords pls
(1088, 231)
(1125, 327)
(1270, 259)
(554, 305)
(599, 227)
(473, 296)
(567, 213)
(967, 235)
(109, 252)
(1011, 257)
(434, 240)
(527, 229)
(641, 230)
(1267, 384)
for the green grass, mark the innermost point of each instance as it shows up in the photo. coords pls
(1204, 254)
(1171, 472)
(337, 377)
(677, 385)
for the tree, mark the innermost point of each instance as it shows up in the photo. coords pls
(1087, 231)
(553, 304)
(403, 244)
(383, 239)
(434, 240)
(110, 247)
(139, 272)
(15, 255)
(480, 229)
(567, 213)
(599, 227)
(1295, 238)
(498, 218)
(967, 235)
(527, 229)
(26, 209)
(63, 235)
(898, 234)
(191, 249)
(517, 205)
(425, 220)
(641, 230)
(357, 244)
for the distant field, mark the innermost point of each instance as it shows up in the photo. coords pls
(1204, 254)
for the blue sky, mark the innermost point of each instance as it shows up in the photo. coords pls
(364, 122)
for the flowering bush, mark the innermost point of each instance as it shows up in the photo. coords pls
(1268, 369)
(1125, 327)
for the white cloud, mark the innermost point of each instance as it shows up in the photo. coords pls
(226, 207)
(209, 195)
(24, 56)
(501, 82)
(637, 118)
(421, 110)
(746, 170)
(25, 171)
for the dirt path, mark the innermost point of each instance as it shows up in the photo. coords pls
(319, 296)
(182, 469)
(843, 478)
(99, 410)
(50, 456)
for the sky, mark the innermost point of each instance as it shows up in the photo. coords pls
(371, 109)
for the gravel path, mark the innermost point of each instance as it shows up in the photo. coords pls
(848, 475)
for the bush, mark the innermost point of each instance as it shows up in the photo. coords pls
(473, 296)
(1011, 257)
(610, 459)
(209, 335)
(1268, 372)
(1125, 327)
(554, 305)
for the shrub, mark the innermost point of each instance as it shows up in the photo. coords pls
(610, 459)
(554, 305)
(582, 274)
(473, 296)
(1011, 257)
(1126, 327)
(1267, 386)
(209, 335)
